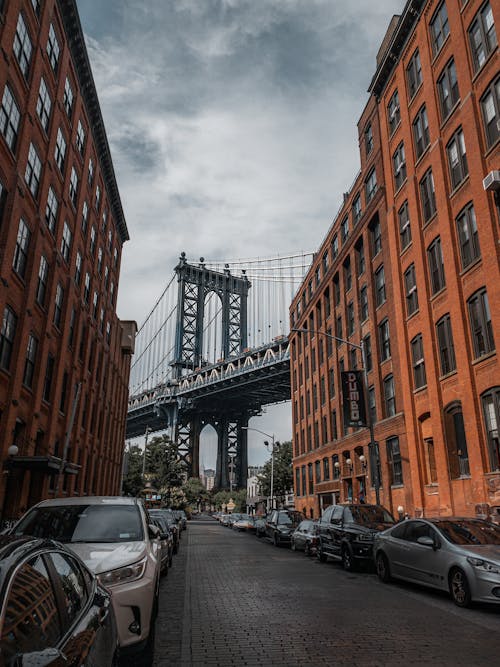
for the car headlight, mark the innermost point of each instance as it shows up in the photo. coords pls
(484, 565)
(123, 574)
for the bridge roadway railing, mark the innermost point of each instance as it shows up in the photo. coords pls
(257, 358)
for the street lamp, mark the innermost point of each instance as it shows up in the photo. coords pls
(146, 434)
(372, 446)
(268, 435)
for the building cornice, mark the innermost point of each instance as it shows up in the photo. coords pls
(403, 30)
(76, 42)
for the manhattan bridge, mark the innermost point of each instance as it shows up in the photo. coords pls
(214, 350)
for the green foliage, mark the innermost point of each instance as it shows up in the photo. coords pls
(162, 463)
(283, 472)
(133, 482)
(195, 491)
(220, 498)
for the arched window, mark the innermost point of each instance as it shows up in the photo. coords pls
(456, 443)
(491, 409)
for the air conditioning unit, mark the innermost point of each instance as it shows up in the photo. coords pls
(492, 181)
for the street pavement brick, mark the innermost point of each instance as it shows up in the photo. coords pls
(233, 600)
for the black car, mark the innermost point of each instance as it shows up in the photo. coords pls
(305, 537)
(168, 516)
(53, 610)
(346, 532)
(167, 542)
(280, 525)
(181, 517)
(260, 525)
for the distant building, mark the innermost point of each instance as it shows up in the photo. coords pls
(207, 478)
(254, 498)
(64, 354)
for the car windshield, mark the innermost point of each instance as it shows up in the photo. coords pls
(83, 523)
(368, 514)
(470, 532)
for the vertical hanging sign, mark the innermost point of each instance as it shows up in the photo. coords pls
(353, 398)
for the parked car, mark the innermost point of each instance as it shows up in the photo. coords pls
(181, 517)
(113, 538)
(53, 608)
(260, 525)
(305, 537)
(166, 541)
(167, 516)
(235, 516)
(224, 520)
(458, 555)
(346, 532)
(245, 523)
(280, 525)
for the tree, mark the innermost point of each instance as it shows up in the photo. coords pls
(195, 491)
(239, 497)
(283, 472)
(163, 466)
(133, 481)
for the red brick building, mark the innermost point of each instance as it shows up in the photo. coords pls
(64, 355)
(427, 302)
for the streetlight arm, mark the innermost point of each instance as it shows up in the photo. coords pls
(323, 333)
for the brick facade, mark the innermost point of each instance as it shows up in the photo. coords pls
(431, 97)
(61, 346)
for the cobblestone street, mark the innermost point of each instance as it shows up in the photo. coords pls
(232, 599)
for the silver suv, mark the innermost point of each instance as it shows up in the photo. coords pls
(112, 537)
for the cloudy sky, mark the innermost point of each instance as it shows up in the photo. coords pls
(232, 126)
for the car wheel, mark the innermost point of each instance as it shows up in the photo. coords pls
(322, 557)
(459, 588)
(382, 567)
(276, 540)
(347, 559)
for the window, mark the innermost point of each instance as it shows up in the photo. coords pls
(371, 185)
(482, 36)
(43, 105)
(73, 186)
(66, 241)
(7, 333)
(20, 258)
(85, 217)
(22, 46)
(347, 275)
(80, 138)
(335, 247)
(404, 226)
(367, 346)
(53, 49)
(384, 340)
(335, 434)
(78, 268)
(49, 374)
(380, 286)
(445, 345)
(480, 323)
(97, 197)
(448, 89)
(36, 6)
(68, 97)
(344, 229)
(115, 257)
(29, 363)
(9, 118)
(360, 257)
(428, 196)
(112, 293)
(58, 305)
(43, 274)
(368, 139)
(467, 236)
(490, 105)
(376, 234)
(436, 266)
(3, 197)
(417, 356)
(395, 462)
(414, 74)
(92, 240)
(491, 410)
(393, 112)
(457, 158)
(421, 135)
(356, 209)
(338, 328)
(95, 303)
(411, 290)
(110, 244)
(389, 397)
(60, 150)
(91, 172)
(372, 404)
(317, 276)
(324, 261)
(399, 166)
(86, 289)
(439, 27)
(350, 319)
(51, 210)
(456, 441)
(72, 321)
(33, 171)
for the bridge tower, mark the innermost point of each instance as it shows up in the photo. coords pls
(195, 283)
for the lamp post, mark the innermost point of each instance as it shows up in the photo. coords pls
(146, 434)
(372, 446)
(268, 435)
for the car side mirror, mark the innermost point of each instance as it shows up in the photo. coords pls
(426, 541)
(154, 532)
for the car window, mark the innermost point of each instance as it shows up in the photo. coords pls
(284, 519)
(327, 514)
(416, 529)
(399, 531)
(31, 621)
(72, 584)
(338, 511)
(83, 523)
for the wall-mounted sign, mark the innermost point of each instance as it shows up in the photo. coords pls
(353, 398)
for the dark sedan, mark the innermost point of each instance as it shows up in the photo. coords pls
(168, 516)
(53, 610)
(280, 525)
(305, 537)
